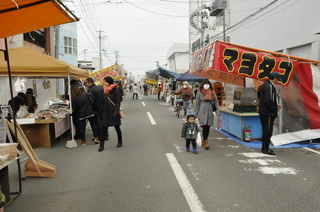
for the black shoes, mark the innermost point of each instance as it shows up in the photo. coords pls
(268, 152)
(119, 144)
(101, 147)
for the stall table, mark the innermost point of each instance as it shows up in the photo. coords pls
(44, 133)
(234, 123)
(5, 182)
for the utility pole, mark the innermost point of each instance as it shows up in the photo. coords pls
(100, 59)
(117, 56)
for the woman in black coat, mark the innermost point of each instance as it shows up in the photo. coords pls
(81, 105)
(109, 115)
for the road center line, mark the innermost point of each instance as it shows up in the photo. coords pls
(151, 119)
(143, 104)
(311, 150)
(189, 193)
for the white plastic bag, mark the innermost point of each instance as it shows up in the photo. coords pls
(22, 112)
(168, 99)
(199, 139)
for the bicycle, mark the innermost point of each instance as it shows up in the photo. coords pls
(178, 107)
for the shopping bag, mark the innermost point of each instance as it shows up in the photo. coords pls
(121, 113)
(199, 139)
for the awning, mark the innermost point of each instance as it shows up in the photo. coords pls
(27, 62)
(166, 73)
(20, 16)
(189, 77)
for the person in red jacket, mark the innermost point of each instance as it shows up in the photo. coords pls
(186, 93)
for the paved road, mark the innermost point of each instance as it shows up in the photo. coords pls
(152, 172)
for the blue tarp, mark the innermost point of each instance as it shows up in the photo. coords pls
(189, 77)
(166, 73)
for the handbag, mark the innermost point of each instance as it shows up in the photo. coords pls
(121, 114)
(214, 108)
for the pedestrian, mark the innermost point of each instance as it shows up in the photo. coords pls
(119, 86)
(81, 104)
(96, 93)
(110, 114)
(159, 90)
(31, 101)
(189, 131)
(206, 104)
(130, 88)
(268, 109)
(186, 94)
(135, 91)
(145, 89)
(17, 101)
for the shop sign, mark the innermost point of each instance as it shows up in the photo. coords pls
(151, 81)
(219, 57)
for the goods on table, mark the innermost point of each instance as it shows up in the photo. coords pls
(8, 151)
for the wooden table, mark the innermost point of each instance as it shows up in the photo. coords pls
(5, 182)
(44, 133)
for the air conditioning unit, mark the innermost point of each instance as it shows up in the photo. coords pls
(217, 7)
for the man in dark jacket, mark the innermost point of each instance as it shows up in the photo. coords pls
(17, 101)
(96, 92)
(268, 109)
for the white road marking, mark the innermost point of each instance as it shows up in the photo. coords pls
(179, 148)
(254, 155)
(143, 104)
(189, 193)
(151, 119)
(263, 162)
(194, 170)
(311, 150)
(277, 170)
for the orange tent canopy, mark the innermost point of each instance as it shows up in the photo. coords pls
(20, 16)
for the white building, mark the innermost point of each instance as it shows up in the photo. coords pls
(178, 57)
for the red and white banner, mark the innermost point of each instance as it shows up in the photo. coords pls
(309, 76)
(219, 60)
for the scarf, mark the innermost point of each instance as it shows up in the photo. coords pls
(108, 89)
(208, 94)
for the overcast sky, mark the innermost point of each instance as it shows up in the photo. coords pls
(142, 31)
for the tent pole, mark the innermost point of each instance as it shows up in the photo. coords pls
(6, 57)
(71, 143)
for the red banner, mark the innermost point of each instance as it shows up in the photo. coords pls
(220, 57)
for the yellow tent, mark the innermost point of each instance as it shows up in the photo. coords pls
(27, 62)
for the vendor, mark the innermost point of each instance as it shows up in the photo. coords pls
(31, 101)
(17, 101)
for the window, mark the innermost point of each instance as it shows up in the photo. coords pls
(70, 45)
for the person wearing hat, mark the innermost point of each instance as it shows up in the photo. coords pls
(186, 93)
(31, 101)
(110, 116)
(189, 131)
(268, 110)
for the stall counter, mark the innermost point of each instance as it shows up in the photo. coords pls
(234, 123)
(44, 133)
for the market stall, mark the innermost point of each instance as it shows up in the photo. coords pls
(21, 16)
(236, 65)
(51, 122)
